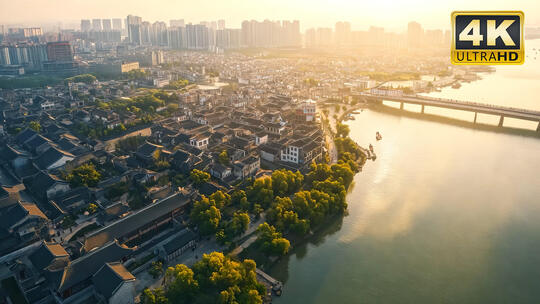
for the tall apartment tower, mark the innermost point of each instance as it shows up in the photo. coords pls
(96, 25)
(59, 51)
(221, 24)
(177, 23)
(86, 25)
(343, 33)
(134, 27)
(107, 24)
(117, 24)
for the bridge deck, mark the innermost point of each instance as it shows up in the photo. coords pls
(463, 105)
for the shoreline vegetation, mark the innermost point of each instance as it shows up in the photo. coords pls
(295, 207)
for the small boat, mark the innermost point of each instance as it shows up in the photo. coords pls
(378, 136)
(371, 148)
(456, 85)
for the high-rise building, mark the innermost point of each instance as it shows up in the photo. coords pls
(133, 24)
(197, 37)
(107, 24)
(415, 35)
(117, 24)
(86, 25)
(158, 35)
(221, 24)
(96, 25)
(177, 37)
(343, 33)
(177, 23)
(59, 51)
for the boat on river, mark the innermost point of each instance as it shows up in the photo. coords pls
(378, 136)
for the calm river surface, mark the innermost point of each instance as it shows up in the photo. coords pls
(445, 214)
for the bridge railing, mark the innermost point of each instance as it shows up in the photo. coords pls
(459, 102)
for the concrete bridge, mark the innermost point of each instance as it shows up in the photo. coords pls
(424, 101)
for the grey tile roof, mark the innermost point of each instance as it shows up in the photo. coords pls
(86, 266)
(110, 277)
(132, 222)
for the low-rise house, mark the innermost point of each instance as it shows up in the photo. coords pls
(46, 186)
(148, 152)
(37, 144)
(23, 220)
(247, 167)
(49, 256)
(145, 221)
(53, 158)
(186, 240)
(200, 141)
(114, 284)
(301, 151)
(220, 171)
(76, 277)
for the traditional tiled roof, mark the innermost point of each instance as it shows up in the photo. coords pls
(46, 254)
(51, 156)
(132, 222)
(110, 277)
(86, 266)
(179, 241)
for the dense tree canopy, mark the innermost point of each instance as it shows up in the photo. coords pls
(84, 175)
(214, 279)
(199, 177)
(271, 241)
(85, 78)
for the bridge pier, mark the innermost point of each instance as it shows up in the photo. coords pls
(401, 106)
(475, 115)
(422, 109)
(501, 121)
(538, 128)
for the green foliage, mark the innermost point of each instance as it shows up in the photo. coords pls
(156, 269)
(261, 192)
(346, 144)
(85, 78)
(285, 182)
(199, 177)
(154, 296)
(116, 190)
(238, 225)
(35, 125)
(84, 175)
(177, 84)
(284, 218)
(270, 241)
(135, 74)
(28, 81)
(92, 208)
(179, 180)
(342, 130)
(224, 157)
(239, 198)
(206, 215)
(214, 279)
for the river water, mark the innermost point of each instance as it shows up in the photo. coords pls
(446, 214)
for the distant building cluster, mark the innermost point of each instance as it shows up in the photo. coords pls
(38, 56)
(343, 35)
(211, 35)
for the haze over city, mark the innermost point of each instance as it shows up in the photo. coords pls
(259, 152)
(392, 15)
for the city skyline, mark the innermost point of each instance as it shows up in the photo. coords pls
(394, 16)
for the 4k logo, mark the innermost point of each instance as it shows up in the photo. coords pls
(487, 38)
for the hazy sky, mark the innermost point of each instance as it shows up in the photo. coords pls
(392, 15)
